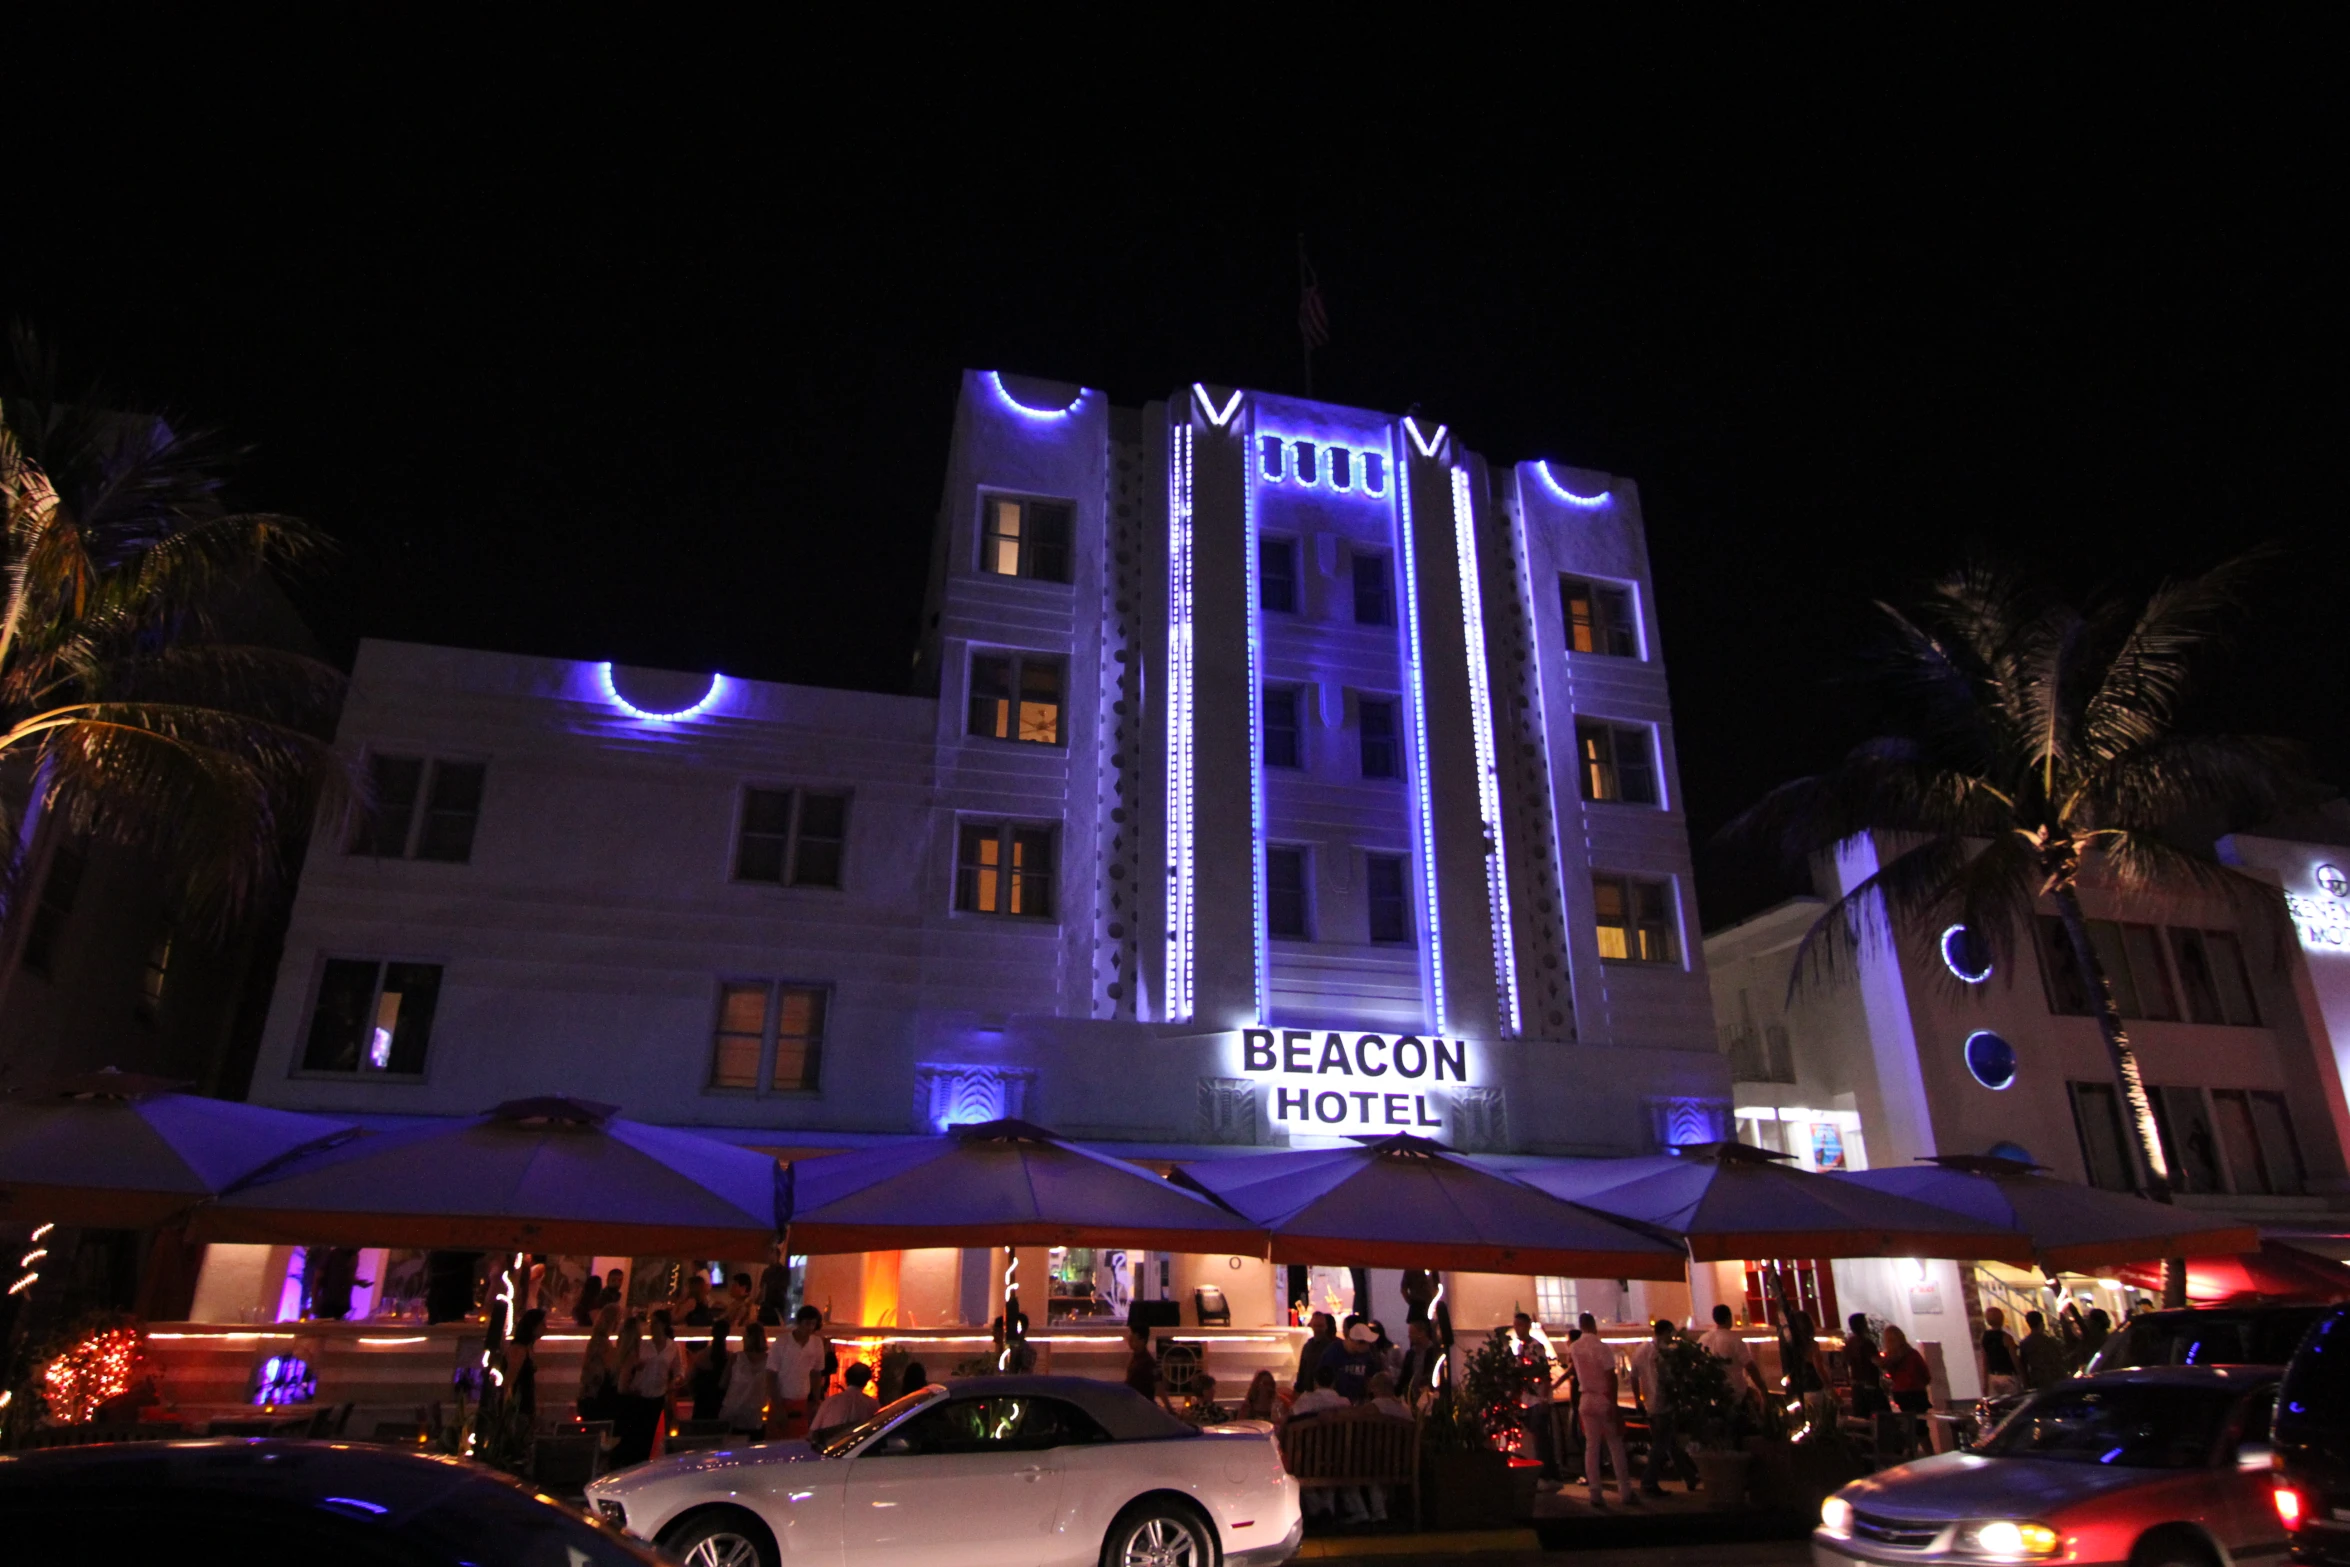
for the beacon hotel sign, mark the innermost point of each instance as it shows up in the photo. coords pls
(1351, 1084)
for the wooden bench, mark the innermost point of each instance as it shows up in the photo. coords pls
(1353, 1448)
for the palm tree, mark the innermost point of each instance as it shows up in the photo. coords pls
(127, 712)
(2035, 743)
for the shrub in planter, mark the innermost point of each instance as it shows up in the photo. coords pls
(1465, 1482)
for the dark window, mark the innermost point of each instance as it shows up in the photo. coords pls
(1004, 869)
(2257, 1134)
(1342, 468)
(1599, 618)
(1281, 736)
(791, 837)
(992, 1425)
(1374, 473)
(1635, 919)
(451, 808)
(1380, 757)
(1617, 762)
(372, 1017)
(2189, 1145)
(1015, 697)
(2104, 1154)
(1277, 575)
(59, 890)
(2212, 976)
(1308, 456)
(1374, 592)
(2149, 975)
(2060, 969)
(768, 1037)
(1286, 913)
(395, 782)
(1025, 539)
(1383, 880)
(155, 974)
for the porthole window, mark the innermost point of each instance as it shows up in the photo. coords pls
(1991, 1059)
(1966, 954)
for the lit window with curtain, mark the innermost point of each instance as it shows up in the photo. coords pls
(1004, 868)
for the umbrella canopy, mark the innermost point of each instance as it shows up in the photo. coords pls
(2272, 1273)
(1001, 1183)
(1405, 1202)
(547, 1174)
(2071, 1226)
(122, 1151)
(1729, 1201)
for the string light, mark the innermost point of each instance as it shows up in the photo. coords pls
(1011, 1306)
(90, 1374)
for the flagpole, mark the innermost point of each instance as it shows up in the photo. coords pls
(1305, 341)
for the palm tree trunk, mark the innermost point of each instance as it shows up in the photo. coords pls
(2153, 1170)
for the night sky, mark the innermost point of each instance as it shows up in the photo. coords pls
(594, 370)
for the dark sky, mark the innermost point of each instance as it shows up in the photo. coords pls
(575, 366)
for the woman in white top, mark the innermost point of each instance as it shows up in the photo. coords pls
(744, 1404)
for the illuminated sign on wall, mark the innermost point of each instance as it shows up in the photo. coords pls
(1327, 1081)
(2324, 921)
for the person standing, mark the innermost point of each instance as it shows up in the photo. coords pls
(1724, 1342)
(1356, 1361)
(1142, 1367)
(708, 1375)
(1532, 1349)
(522, 1362)
(798, 1359)
(1651, 1386)
(1322, 1341)
(655, 1377)
(590, 1302)
(1419, 1293)
(1867, 1370)
(2041, 1354)
(1422, 1362)
(2095, 1330)
(743, 1406)
(852, 1405)
(1910, 1382)
(2002, 1373)
(1594, 1366)
(599, 1368)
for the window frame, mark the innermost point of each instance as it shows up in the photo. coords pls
(368, 836)
(787, 877)
(1676, 953)
(1284, 546)
(1004, 830)
(1604, 627)
(1393, 708)
(771, 1037)
(1622, 736)
(2079, 1091)
(1357, 559)
(1296, 727)
(301, 1066)
(1021, 661)
(1024, 545)
(1303, 857)
(1372, 900)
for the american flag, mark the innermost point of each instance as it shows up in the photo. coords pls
(1313, 321)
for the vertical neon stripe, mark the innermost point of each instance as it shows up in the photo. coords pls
(1180, 924)
(1411, 601)
(1522, 555)
(1497, 878)
(1256, 742)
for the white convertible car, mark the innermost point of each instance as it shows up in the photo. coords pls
(991, 1472)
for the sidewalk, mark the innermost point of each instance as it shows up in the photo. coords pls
(1677, 1529)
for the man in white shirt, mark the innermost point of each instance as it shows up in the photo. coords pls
(1722, 1341)
(1594, 1365)
(1648, 1380)
(850, 1405)
(798, 1363)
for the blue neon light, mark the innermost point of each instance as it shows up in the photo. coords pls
(995, 379)
(376, 1508)
(1208, 407)
(1411, 600)
(1497, 878)
(703, 705)
(1990, 1060)
(1958, 948)
(1273, 455)
(1180, 940)
(1319, 464)
(1567, 495)
(1430, 444)
(1256, 745)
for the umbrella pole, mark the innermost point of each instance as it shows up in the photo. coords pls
(1011, 1306)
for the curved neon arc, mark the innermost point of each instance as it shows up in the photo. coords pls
(995, 378)
(612, 693)
(1567, 495)
(1951, 957)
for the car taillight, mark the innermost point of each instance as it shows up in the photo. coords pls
(2289, 1506)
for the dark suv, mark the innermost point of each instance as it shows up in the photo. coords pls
(2208, 1336)
(2313, 1444)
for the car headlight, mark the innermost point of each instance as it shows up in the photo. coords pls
(612, 1512)
(2010, 1540)
(1836, 1518)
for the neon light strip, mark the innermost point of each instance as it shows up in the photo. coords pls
(1428, 446)
(1256, 744)
(1520, 546)
(1497, 876)
(995, 379)
(1411, 601)
(1180, 934)
(1950, 958)
(1567, 495)
(1219, 420)
(612, 693)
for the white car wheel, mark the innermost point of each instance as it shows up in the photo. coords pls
(1158, 1535)
(725, 1539)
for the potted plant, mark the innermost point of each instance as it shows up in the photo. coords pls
(1465, 1481)
(1716, 1420)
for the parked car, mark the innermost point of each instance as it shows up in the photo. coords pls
(2191, 1336)
(2156, 1467)
(229, 1500)
(1008, 1471)
(2313, 1444)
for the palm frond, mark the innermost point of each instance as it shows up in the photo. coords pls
(2154, 661)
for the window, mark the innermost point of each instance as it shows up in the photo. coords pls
(59, 891)
(1277, 575)
(2130, 955)
(1635, 919)
(1617, 762)
(1381, 757)
(1004, 869)
(1599, 618)
(1383, 880)
(393, 828)
(1282, 747)
(1555, 1306)
(2212, 975)
(1025, 539)
(2097, 1118)
(372, 1017)
(155, 974)
(791, 837)
(2189, 1145)
(769, 1037)
(1016, 697)
(1374, 591)
(1285, 894)
(992, 1425)
(2257, 1133)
